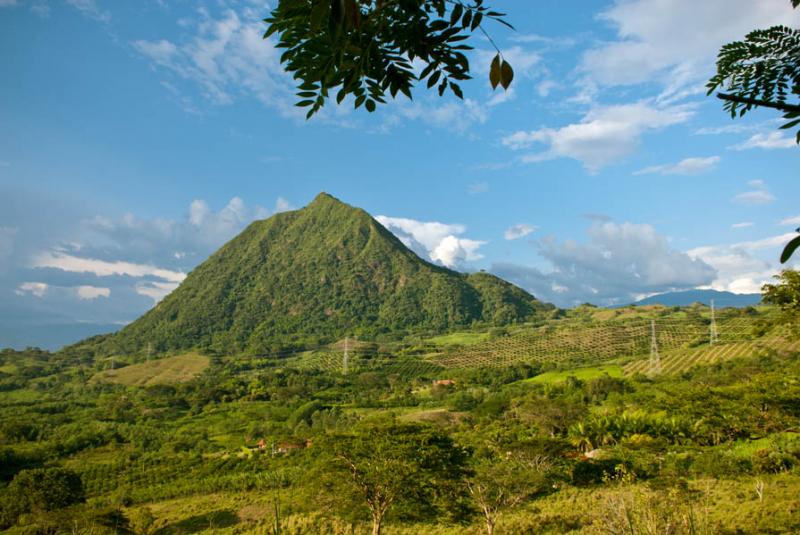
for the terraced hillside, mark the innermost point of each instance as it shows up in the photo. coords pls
(578, 342)
(680, 360)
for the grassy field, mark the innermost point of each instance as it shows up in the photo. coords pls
(169, 370)
(460, 338)
(579, 373)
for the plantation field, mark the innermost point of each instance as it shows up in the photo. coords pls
(576, 343)
(169, 370)
(680, 360)
(459, 338)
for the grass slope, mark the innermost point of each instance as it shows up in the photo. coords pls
(165, 371)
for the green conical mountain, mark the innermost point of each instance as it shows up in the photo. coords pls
(313, 275)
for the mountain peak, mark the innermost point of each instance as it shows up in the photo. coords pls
(313, 275)
(324, 198)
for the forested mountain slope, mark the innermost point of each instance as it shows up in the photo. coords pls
(314, 274)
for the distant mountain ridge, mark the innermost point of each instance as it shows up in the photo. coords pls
(688, 297)
(315, 274)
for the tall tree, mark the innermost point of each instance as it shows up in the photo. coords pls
(763, 70)
(365, 48)
(413, 469)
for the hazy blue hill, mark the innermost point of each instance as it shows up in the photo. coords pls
(314, 274)
(685, 298)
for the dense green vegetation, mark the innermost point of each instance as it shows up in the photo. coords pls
(312, 276)
(534, 446)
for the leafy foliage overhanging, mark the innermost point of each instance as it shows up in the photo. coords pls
(367, 48)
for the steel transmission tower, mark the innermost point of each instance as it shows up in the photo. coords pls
(713, 337)
(655, 359)
(346, 356)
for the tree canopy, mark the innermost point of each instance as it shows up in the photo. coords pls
(367, 48)
(763, 70)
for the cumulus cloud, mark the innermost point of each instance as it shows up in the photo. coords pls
(514, 232)
(675, 41)
(687, 166)
(739, 269)
(436, 241)
(603, 136)
(618, 263)
(769, 141)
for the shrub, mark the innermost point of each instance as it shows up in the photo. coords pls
(39, 490)
(771, 461)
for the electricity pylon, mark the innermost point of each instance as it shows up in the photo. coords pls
(655, 359)
(713, 337)
(346, 356)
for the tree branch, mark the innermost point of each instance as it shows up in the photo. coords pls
(782, 106)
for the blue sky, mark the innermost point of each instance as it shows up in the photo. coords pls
(137, 137)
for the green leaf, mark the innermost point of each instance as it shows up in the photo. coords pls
(790, 124)
(790, 248)
(476, 21)
(494, 72)
(457, 90)
(304, 103)
(466, 19)
(456, 14)
(506, 74)
(370, 105)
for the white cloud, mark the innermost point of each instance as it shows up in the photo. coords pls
(769, 141)
(91, 10)
(687, 166)
(675, 42)
(103, 268)
(92, 292)
(438, 241)
(619, 262)
(37, 289)
(517, 231)
(795, 220)
(456, 116)
(743, 224)
(727, 129)
(738, 269)
(604, 135)
(8, 3)
(227, 57)
(758, 195)
(282, 205)
(544, 87)
(155, 290)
